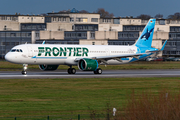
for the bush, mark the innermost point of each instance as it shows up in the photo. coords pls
(147, 106)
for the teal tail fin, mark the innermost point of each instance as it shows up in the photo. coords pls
(145, 39)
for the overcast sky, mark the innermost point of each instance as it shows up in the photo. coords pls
(118, 7)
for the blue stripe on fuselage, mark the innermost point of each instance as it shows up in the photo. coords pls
(50, 57)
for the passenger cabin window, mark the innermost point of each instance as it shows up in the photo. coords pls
(16, 50)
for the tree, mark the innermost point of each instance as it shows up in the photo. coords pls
(143, 16)
(83, 11)
(176, 16)
(103, 13)
(158, 16)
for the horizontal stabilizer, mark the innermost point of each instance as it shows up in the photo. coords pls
(153, 51)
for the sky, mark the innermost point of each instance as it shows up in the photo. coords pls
(121, 8)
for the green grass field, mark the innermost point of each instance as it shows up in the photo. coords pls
(6, 66)
(42, 97)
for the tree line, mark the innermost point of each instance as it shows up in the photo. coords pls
(105, 14)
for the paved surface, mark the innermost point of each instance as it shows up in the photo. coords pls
(81, 74)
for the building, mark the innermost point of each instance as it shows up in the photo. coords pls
(72, 27)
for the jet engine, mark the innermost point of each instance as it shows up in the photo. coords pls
(48, 67)
(87, 64)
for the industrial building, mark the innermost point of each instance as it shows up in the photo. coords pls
(72, 27)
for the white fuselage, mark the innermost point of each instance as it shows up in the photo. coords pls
(58, 54)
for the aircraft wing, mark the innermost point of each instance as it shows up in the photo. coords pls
(117, 57)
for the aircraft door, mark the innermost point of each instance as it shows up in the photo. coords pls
(107, 52)
(30, 51)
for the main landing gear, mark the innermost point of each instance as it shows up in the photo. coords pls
(71, 70)
(24, 69)
(98, 71)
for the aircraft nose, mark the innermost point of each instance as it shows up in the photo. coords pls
(8, 57)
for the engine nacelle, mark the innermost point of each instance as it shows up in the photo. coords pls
(87, 64)
(48, 67)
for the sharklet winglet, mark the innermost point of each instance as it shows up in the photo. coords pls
(163, 46)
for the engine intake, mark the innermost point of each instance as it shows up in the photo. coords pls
(87, 64)
(48, 67)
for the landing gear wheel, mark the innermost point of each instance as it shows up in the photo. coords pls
(98, 71)
(24, 72)
(71, 71)
(95, 72)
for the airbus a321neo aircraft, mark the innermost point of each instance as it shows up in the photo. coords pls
(86, 57)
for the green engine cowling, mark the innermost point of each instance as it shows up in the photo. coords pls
(87, 64)
(48, 67)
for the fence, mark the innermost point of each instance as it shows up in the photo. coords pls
(61, 117)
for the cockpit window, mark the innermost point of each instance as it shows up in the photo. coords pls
(16, 50)
(13, 50)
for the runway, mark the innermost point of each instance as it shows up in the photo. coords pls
(84, 74)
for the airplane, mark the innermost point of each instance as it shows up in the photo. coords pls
(86, 57)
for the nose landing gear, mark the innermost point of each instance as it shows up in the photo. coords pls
(24, 69)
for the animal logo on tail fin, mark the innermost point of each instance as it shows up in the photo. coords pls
(145, 39)
(147, 34)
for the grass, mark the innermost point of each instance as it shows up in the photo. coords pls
(38, 97)
(42, 97)
(6, 66)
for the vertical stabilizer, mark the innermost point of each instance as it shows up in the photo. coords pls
(145, 39)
